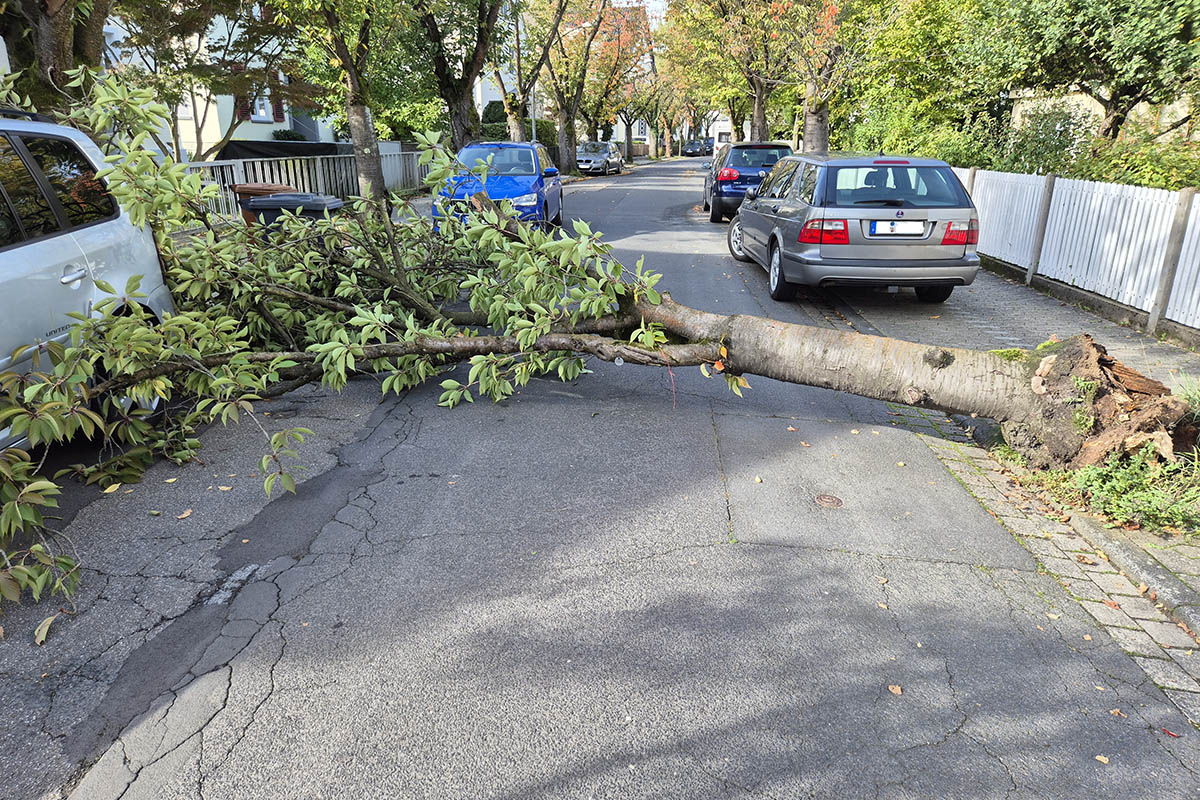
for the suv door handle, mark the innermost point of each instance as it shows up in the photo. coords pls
(73, 277)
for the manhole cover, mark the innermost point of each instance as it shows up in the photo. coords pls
(828, 501)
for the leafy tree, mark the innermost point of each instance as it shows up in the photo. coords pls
(736, 45)
(567, 66)
(541, 23)
(457, 35)
(1118, 52)
(189, 54)
(620, 52)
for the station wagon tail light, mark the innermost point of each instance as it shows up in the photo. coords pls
(962, 233)
(728, 174)
(825, 231)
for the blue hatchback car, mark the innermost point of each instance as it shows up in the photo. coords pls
(521, 173)
(735, 168)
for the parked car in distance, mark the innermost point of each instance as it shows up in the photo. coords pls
(520, 172)
(735, 168)
(60, 232)
(598, 158)
(708, 146)
(693, 148)
(859, 220)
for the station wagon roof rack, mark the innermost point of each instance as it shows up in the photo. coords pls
(32, 116)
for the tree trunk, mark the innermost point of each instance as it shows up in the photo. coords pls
(512, 115)
(367, 160)
(758, 120)
(464, 120)
(652, 144)
(566, 144)
(816, 126)
(668, 145)
(628, 124)
(1067, 404)
(737, 121)
(54, 36)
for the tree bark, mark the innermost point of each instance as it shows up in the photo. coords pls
(566, 143)
(759, 92)
(464, 119)
(816, 126)
(737, 120)
(367, 159)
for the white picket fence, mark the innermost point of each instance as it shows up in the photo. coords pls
(1106, 238)
(335, 175)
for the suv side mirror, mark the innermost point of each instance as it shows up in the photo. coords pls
(550, 172)
(752, 193)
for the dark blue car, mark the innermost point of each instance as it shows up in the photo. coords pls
(735, 168)
(521, 173)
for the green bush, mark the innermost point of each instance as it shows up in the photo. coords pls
(288, 135)
(494, 112)
(1135, 489)
(1049, 140)
(547, 131)
(1170, 164)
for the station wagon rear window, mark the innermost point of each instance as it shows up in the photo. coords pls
(73, 178)
(747, 157)
(894, 186)
(32, 207)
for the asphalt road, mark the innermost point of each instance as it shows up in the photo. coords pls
(617, 588)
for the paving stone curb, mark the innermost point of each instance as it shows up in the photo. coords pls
(1181, 600)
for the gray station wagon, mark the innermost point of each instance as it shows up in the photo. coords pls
(60, 232)
(837, 219)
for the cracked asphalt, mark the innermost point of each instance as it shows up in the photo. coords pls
(620, 587)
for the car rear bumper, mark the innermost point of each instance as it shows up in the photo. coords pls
(850, 272)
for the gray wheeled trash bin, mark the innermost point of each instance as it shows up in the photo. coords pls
(270, 208)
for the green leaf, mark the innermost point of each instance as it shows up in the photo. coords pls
(43, 629)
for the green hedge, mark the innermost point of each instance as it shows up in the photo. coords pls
(498, 131)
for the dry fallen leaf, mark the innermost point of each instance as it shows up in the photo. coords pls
(1085, 559)
(1087, 637)
(805, 444)
(1053, 616)
(895, 689)
(882, 580)
(245, 541)
(899, 463)
(855, 431)
(758, 479)
(187, 513)
(1112, 604)
(1102, 759)
(1116, 712)
(793, 430)
(170, 480)
(882, 605)
(1172, 734)
(112, 488)
(1143, 588)
(225, 488)
(154, 513)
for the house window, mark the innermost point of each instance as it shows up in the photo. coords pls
(641, 127)
(261, 110)
(184, 109)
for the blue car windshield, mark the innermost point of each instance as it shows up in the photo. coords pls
(505, 160)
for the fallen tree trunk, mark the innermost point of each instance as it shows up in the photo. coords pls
(1068, 403)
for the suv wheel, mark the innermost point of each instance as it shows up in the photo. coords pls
(934, 294)
(733, 237)
(780, 288)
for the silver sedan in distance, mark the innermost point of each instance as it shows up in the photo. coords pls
(835, 219)
(598, 158)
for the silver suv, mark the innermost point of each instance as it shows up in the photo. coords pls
(60, 232)
(841, 219)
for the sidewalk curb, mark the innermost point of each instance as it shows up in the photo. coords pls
(1180, 600)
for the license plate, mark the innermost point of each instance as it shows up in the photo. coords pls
(897, 227)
